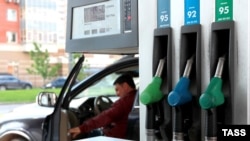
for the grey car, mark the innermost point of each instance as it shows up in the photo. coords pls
(8, 81)
(56, 83)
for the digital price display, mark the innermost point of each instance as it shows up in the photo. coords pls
(192, 12)
(102, 26)
(96, 20)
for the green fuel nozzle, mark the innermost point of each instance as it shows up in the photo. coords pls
(181, 94)
(213, 95)
(152, 93)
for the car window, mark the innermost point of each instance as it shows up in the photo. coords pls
(60, 81)
(12, 79)
(102, 87)
(8, 78)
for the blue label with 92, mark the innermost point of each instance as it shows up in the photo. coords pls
(192, 12)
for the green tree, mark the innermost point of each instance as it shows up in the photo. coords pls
(41, 65)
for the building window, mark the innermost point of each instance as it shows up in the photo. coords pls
(29, 36)
(40, 37)
(45, 38)
(11, 37)
(23, 37)
(11, 15)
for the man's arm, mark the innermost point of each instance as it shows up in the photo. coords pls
(106, 117)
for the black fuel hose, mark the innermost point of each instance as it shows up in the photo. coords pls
(211, 125)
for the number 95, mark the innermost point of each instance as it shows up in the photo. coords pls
(164, 18)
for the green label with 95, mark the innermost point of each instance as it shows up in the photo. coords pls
(223, 10)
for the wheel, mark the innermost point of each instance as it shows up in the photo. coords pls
(102, 103)
(27, 87)
(13, 137)
(2, 88)
(18, 139)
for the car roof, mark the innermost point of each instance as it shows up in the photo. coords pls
(61, 77)
(7, 76)
(5, 73)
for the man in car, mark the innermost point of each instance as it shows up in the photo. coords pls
(113, 120)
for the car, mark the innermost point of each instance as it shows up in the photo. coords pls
(56, 83)
(27, 123)
(8, 81)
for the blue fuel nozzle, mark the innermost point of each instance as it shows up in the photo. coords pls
(181, 94)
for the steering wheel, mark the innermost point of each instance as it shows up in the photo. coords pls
(102, 103)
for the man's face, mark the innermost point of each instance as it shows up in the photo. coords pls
(120, 89)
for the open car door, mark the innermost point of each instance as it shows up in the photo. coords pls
(56, 125)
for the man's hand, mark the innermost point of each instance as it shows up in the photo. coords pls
(74, 132)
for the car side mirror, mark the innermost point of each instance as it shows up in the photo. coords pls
(47, 99)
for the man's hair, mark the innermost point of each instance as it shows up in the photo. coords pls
(125, 78)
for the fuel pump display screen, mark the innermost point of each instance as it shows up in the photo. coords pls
(96, 20)
(102, 26)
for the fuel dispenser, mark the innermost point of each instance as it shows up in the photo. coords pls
(212, 98)
(180, 96)
(218, 40)
(184, 97)
(216, 101)
(158, 114)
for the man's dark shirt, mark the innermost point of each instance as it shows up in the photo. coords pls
(114, 120)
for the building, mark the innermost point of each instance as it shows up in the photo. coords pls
(10, 43)
(24, 22)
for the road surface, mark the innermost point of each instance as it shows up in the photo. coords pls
(5, 108)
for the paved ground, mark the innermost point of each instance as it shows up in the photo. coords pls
(4, 108)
